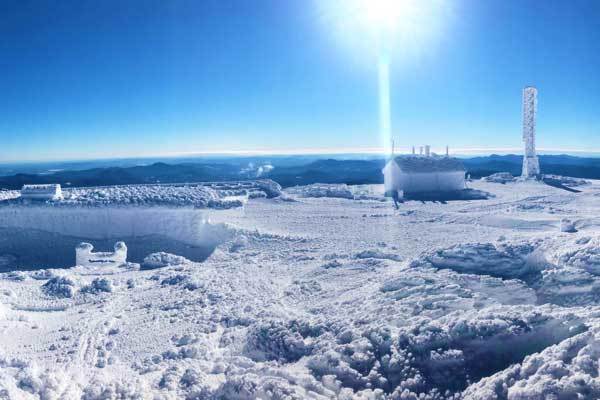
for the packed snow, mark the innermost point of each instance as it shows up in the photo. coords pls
(327, 296)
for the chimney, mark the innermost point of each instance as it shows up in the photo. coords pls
(413, 150)
(427, 150)
(420, 150)
(447, 152)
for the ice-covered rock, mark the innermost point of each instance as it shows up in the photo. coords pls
(565, 180)
(378, 254)
(322, 190)
(98, 285)
(276, 341)
(59, 286)
(499, 177)
(271, 188)
(162, 259)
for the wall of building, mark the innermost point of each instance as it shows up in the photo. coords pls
(415, 182)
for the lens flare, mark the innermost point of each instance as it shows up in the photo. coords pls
(384, 30)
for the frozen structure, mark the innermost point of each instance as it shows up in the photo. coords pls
(42, 192)
(531, 164)
(420, 174)
(85, 257)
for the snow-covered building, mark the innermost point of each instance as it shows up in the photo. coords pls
(42, 192)
(418, 174)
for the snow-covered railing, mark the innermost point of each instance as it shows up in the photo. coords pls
(85, 257)
(42, 192)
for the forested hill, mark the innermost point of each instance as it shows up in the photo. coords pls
(350, 171)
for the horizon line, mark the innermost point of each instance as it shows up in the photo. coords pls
(459, 151)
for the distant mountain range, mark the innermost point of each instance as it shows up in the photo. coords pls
(288, 171)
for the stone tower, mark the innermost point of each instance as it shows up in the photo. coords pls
(531, 164)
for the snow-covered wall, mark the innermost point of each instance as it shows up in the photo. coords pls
(186, 225)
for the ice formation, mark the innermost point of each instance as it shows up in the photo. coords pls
(85, 257)
(51, 192)
(531, 164)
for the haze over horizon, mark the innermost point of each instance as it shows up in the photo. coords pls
(85, 80)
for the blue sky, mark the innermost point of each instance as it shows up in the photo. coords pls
(88, 79)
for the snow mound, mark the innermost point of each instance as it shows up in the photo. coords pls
(435, 357)
(568, 370)
(276, 341)
(9, 194)
(499, 260)
(499, 177)
(60, 287)
(271, 188)
(585, 256)
(98, 285)
(378, 254)
(566, 225)
(565, 273)
(162, 259)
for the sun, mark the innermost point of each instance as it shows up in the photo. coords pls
(387, 15)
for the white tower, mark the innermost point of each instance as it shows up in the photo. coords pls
(531, 164)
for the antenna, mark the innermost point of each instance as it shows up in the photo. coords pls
(392, 147)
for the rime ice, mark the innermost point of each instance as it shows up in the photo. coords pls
(531, 164)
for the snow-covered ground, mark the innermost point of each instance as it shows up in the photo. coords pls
(323, 296)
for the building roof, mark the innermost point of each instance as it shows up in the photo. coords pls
(410, 163)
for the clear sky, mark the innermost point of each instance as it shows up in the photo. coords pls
(87, 79)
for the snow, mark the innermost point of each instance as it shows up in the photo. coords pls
(340, 191)
(200, 195)
(162, 259)
(499, 177)
(318, 298)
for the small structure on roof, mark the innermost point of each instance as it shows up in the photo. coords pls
(42, 192)
(420, 174)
